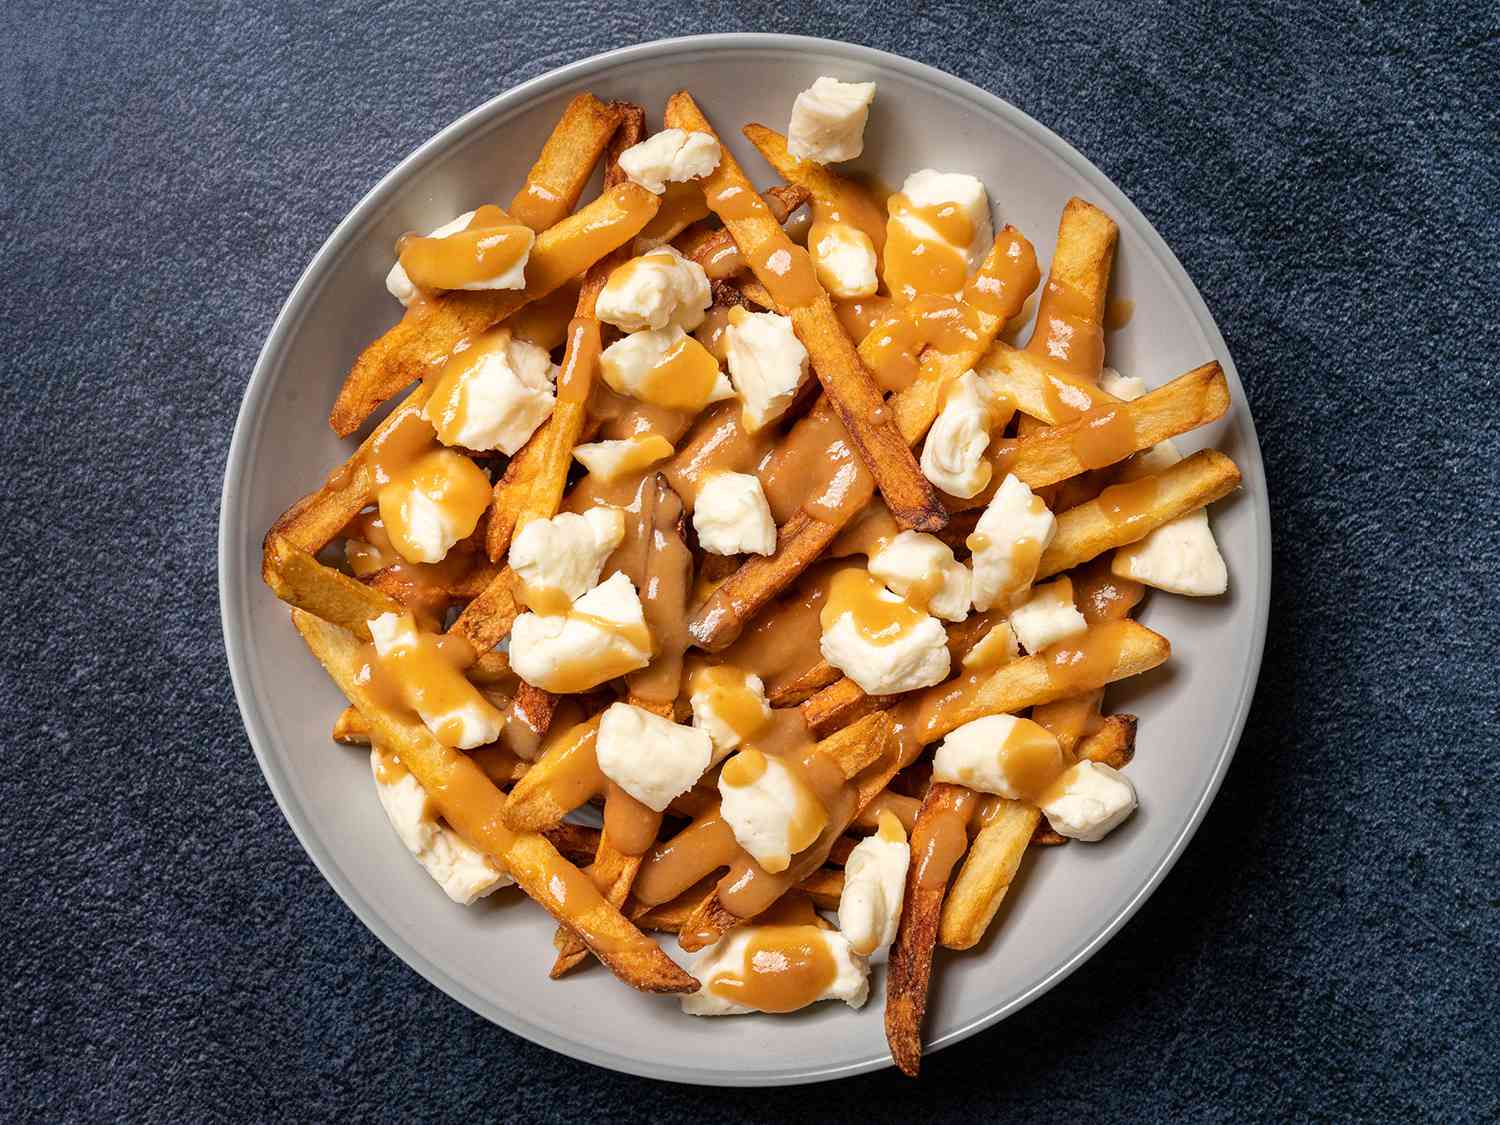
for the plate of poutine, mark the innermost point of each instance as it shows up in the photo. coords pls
(704, 537)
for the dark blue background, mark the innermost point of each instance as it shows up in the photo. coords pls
(1325, 949)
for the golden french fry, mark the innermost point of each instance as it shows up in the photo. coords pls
(474, 808)
(1089, 530)
(993, 859)
(557, 179)
(302, 581)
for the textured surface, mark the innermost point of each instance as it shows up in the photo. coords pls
(1327, 946)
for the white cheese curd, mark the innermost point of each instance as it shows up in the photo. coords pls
(767, 364)
(916, 658)
(397, 284)
(953, 452)
(997, 647)
(672, 154)
(874, 886)
(922, 570)
(464, 873)
(1047, 616)
(978, 755)
(774, 816)
(628, 364)
(1181, 557)
(659, 289)
(706, 717)
(844, 258)
(931, 188)
(651, 758)
(732, 516)
(567, 552)
(828, 120)
(726, 958)
(498, 401)
(474, 722)
(1089, 801)
(1007, 541)
(430, 530)
(603, 636)
(610, 460)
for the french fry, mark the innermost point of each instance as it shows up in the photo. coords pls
(910, 970)
(715, 249)
(557, 179)
(546, 457)
(1087, 531)
(1085, 254)
(350, 728)
(430, 329)
(1113, 744)
(850, 388)
(302, 581)
(1051, 454)
(474, 808)
(567, 770)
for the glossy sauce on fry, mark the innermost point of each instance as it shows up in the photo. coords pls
(1067, 333)
(817, 470)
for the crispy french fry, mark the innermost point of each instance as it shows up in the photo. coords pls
(557, 179)
(993, 859)
(565, 776)
(715, 249)
(575, 842)
(350, 728)
(850, 388)
(302, 581)
(534, 490)
(939, 829)
(430, 329)
(1051, 454)
(1113, 744)
(1085, 255)
(474, 808)
(1087, 531)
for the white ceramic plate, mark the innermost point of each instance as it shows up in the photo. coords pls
(494, 957)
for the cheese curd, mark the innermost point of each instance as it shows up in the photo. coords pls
(953, 453)
(922, 570)
(767, 364)
(844, 258)
(916, 657)
(726, 959)
(930, 188)
(651, 758)
(726, 700)
(433, 504)
(874, 886)
(771, 811)
(1007, 544)
(670, 155)
(464, 873)
(451, 707)
(1001, 754)
(1181, 557)
(494, 398)
(397, 284)
(996, 648)
(664, 366)
(603, 636)
(731, 516)
(611, 460)
(1089, 801)
(659, 289)
(560, 559)
(828, 120)
(1047, 616)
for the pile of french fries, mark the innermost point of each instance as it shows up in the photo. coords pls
(515, 806)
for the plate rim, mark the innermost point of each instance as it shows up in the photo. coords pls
(232, 569)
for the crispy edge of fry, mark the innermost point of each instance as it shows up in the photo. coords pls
(1085, 532)
(576, 842)
(858, 746)
(486, 620)
(850, 387)
(533, 483)
(1085, 254)
(531, 805)
(909, 973)
(566, 162)
(529, 857)
(303, 582)
(350, 728)
(1048, 455)
(429, 331)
